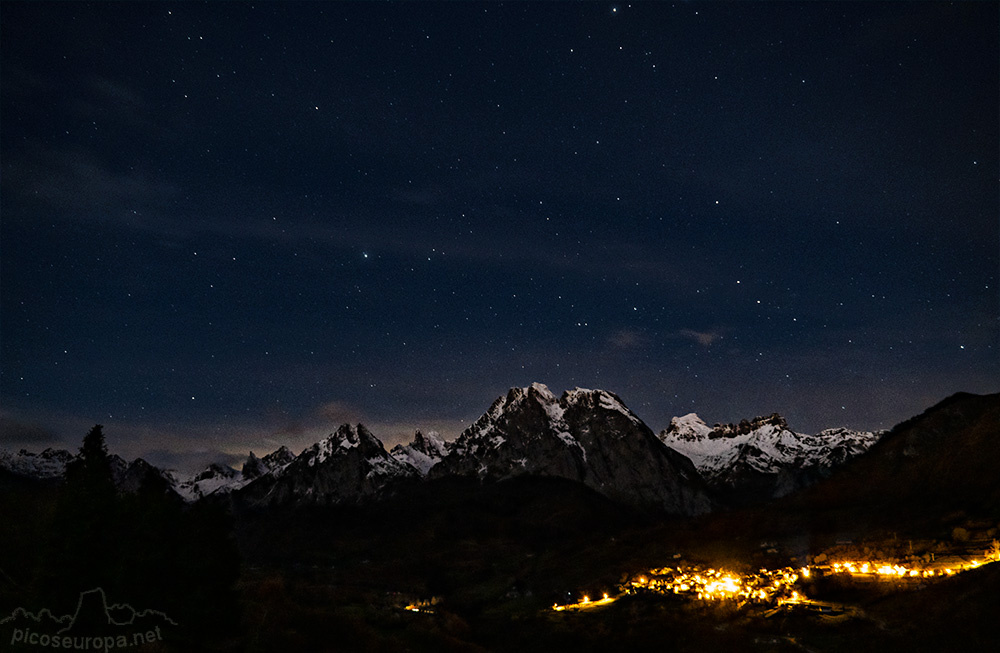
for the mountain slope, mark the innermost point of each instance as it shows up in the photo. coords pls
(942, 461)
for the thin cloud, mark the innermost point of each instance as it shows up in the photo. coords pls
(336, 413)
(83, 185)
(15, 433)
(703, 338)
(627, 339)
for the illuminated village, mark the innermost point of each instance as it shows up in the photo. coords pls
(775, 588)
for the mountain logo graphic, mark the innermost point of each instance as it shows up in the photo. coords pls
(94, 626)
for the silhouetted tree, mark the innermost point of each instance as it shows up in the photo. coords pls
(84, 536)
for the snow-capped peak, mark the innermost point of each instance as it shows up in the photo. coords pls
(214, 478)
(542, 391)
(348, 465)
(585, 435)
(343, 439)
(50, 463)
(424, 452)
(551, 418)
(597, 399)
(764, 444)
(689, 427)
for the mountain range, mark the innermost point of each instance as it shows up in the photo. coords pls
(51, 464)
(585, 436)
(762, 458)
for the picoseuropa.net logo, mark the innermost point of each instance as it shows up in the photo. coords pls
(95, 626)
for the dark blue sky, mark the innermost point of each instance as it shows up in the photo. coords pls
(233, 226)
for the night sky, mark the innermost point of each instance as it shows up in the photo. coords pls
(229, 226)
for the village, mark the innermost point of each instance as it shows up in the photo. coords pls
(784, 588)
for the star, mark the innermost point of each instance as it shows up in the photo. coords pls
(500, 175)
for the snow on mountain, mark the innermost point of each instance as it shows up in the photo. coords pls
(214, 478)
(585, 435)
(51, 463)
(423, 453)
(221, 479)
(346, 467)
(690, 427)
(137, 473)
(762, 456)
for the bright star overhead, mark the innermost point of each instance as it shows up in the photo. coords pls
(299, 213)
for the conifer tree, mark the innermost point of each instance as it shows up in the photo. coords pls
(90, 473)
(84, 535)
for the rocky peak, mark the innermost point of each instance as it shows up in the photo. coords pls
(430, 444)
(255, 467)
(216, 470)
(341, 441)
(539, 392)
(749, 426)
(595, 399)
(588, 436)
(214, 478)
(348, 466)
(139, 474)
(423, 453)
(688, 427)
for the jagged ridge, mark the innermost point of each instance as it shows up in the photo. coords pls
(762, 458)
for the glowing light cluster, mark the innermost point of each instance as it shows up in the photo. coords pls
(765, 586)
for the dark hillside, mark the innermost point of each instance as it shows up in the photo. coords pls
(943, 461)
